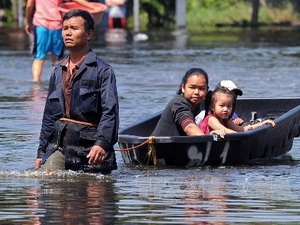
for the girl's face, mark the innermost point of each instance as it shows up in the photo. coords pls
(222, 107)
(195, 89)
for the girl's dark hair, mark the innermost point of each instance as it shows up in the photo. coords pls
(192, 72)
(210, 99)
(88, 19)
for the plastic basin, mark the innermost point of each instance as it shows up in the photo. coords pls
(96, 12)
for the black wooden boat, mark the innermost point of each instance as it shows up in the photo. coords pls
(139, 148)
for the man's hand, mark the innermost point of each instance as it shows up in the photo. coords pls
(38, 163)
(97, 155)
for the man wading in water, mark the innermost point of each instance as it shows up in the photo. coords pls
(81, 115)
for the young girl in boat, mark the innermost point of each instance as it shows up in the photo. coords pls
(178, 117)
(231, 86)
(221, 105)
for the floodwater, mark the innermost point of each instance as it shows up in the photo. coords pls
(264, 63)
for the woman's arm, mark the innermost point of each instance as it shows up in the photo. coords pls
(192, 129)
(256, 125)
(237, 128)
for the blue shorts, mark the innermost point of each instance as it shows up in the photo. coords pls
(45, 41)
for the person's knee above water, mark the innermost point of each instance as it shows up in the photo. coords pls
(81, 114)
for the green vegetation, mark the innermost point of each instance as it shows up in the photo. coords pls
(238, 13)
(212, 13)
(200, 13)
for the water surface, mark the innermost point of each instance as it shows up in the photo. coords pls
(263, 63)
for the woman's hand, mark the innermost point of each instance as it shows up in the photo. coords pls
(268, 122)
(238, 121)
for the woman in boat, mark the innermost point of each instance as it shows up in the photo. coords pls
(222, 104)
(178, 118)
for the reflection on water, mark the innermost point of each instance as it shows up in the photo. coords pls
(20, 115)
(14, 39)
(262, 63)
(220, 195)
(172, 196)
(116, 36)
(64, 198)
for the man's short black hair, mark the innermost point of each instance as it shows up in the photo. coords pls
(88, 19)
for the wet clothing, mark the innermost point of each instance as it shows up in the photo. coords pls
(204, 124)
(176, 116)
(94, 100)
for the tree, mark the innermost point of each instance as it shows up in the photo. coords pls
(255, 9)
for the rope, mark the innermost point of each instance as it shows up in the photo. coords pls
(137, 146)
(151, 151)
(79, 122)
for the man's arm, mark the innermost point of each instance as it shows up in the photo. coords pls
(109, 122)
(29, 12)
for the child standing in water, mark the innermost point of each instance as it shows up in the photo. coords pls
(222, 104)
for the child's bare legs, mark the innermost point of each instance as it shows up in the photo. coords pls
(37, 68)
